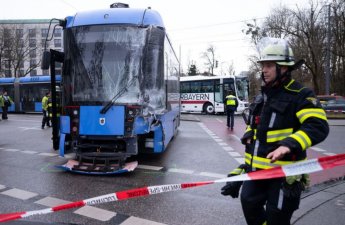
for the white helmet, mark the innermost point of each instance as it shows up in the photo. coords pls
(275, 50)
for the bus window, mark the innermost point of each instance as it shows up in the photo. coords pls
(185, 87)
(242, 89)
(195, 87)
(207, 86)
(219, 93)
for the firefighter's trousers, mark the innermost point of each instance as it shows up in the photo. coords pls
(264, 202)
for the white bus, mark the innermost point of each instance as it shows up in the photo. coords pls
(207, 93)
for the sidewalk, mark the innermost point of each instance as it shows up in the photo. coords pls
(322, 204)
(336, 122)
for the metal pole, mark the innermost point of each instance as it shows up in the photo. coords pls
(328, 52)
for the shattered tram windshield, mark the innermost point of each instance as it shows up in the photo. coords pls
(102, 60)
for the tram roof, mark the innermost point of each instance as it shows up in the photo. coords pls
(7, 80)
(139, 17)
(37, 79)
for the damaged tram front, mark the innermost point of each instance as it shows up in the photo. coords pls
(119, 87)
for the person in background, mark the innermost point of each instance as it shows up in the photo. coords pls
(231, 107)
(45, 102)
(284, 121)
(5, 102)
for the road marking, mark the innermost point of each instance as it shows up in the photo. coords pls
(12, 150)
(50, 201)
(29, 152)
(237, 138)
(215, 175)
(234, 154)
(222, 143)
(214, 136)
(48, 154)
(218, 139)
(95, 213)
(147, 167)
(228, 148)
(239, 160)
(329, 153)
(20, 194)
(30, 128)
(2, 187)
(318, 149)
(219, 120)
(175, 170)
(138, 221)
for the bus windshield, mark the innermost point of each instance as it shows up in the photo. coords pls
(102, 60)
(242, 88)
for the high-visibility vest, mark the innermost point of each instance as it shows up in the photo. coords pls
(45, 103)
(231, 100)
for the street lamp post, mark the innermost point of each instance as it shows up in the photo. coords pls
(328, 52)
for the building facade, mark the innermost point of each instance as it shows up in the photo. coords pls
(22, 43)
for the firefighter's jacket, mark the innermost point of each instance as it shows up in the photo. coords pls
(288, 115)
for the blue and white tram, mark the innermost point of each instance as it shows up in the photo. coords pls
(27, 92)
(119, 88)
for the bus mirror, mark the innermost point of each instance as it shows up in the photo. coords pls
(45, 60)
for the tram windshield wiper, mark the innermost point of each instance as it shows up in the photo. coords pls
(123, 90)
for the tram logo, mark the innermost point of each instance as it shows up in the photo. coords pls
(102, 121)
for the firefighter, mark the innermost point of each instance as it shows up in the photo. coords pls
(285, 120)
(231, 107)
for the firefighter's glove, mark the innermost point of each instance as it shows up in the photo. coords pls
(294, 185)
(233, 188)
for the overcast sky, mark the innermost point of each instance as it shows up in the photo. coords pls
(192, 25)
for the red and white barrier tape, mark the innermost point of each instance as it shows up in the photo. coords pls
(308, 166)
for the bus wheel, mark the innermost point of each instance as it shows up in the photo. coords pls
(209, 108)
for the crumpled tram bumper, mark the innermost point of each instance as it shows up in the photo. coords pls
(98, 169)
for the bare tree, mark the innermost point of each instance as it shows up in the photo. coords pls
(230, 68)
(16, 47)
(306, 31)
(209, 55)
(338, 46)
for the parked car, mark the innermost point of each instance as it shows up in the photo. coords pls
(335, 105)
(324, 99)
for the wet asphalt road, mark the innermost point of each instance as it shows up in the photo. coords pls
(201, 151)
(192, 156)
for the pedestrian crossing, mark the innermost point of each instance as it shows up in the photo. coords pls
(225, 146)
(92, 212)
